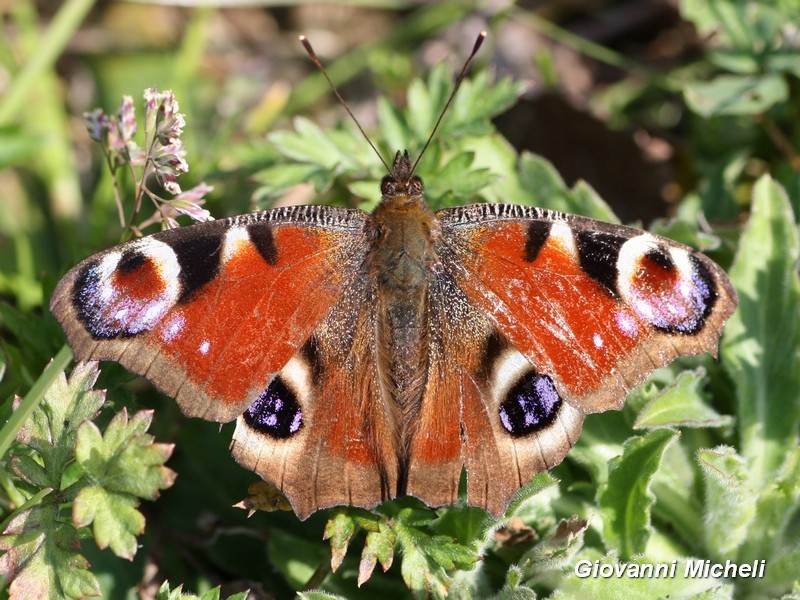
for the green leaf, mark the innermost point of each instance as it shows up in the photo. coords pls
(478, 101)
(165, 593)
(772, 535)
(114, 516)
(309, 144)
(730, 500)
(539, 483)
(427, 559)
(681, 405)
(295, 557)
(30, 471)
(41, 558)
(52, 428)
(319, 595)
(279, 178)
(735, 95)
(545, 188)
(513, 588)
(761, 346)
(394, 127)
(557, 549)
(125, 458)
(625, 498)
(378, 548)
(458, 178)
(122, 464)
(339, 530)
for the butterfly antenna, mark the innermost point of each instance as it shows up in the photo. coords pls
(318, 63)
(459, 79)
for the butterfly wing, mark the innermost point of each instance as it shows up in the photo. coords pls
(463, 421)
(541, 317)
(594, 306)
(324, 431)
(210, 313)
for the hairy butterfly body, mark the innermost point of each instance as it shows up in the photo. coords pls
(369, 356)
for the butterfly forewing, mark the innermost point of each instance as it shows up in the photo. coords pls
(210, 313)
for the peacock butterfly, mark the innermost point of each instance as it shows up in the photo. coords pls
(368, 356)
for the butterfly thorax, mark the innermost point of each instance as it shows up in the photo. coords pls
(400, 264)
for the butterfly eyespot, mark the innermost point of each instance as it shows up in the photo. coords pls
(669, 288)
(275, 412)
(530, 405)
(127, 293)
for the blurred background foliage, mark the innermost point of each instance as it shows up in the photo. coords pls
(667, 108)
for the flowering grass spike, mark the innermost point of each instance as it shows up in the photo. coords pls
(162, 156)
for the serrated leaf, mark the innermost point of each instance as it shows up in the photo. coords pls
(479, 100)
(681, 405)
(52, 428)
(730, 501)
(761, 345)
(122, 465)
(427, 559)
(309, 144)
(735, 95)
(165, 593)
(459, 178)
(41, 558)
(339, 530)
(114, 517)
(378, 548)
(30, 471)
(124, 458)
(625, 498)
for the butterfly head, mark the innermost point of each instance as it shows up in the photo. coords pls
(401, 180)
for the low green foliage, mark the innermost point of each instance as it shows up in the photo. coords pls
(63, 460)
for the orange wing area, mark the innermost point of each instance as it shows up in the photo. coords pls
(564, 321)
(252, 290)
(593, 344)
(251, 318)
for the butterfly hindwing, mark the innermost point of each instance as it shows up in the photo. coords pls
(210, 313)
(485, 409)
(338, 441)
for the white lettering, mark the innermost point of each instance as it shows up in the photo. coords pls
(583, 569)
